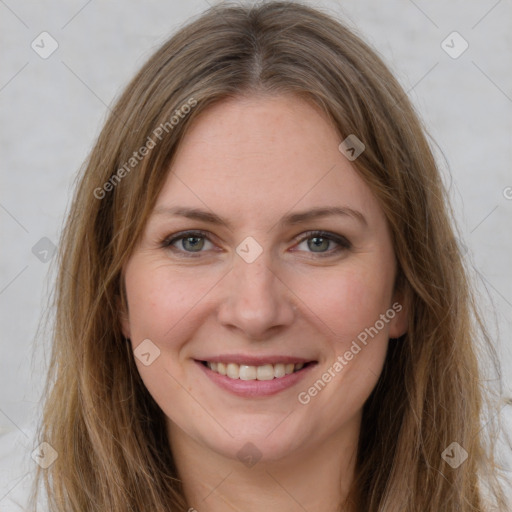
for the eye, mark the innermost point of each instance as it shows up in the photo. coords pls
(188, 242)
(192, 243)
(319, 242)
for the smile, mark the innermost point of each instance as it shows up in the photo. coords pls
(250, 372)
(251, 376)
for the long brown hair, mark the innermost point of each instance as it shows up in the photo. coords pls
(113, 451)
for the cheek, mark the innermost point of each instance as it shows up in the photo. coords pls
(346, 301)
(162, 300)
(167, 305)
(164, 307)
(349, 306)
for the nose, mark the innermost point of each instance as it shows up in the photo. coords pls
(256, 300)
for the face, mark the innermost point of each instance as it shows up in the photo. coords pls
(267, 258)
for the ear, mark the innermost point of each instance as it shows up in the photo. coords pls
(399, 324)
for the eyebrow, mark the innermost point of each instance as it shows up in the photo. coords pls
(289, 219)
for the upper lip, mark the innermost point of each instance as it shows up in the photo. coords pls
(252, 360)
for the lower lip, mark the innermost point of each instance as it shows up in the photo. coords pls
(256, 388)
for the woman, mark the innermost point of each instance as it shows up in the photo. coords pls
(261, 302)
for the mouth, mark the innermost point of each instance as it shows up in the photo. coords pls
(248, 372)
(253, 377)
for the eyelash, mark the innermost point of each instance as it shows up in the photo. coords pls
(343, 243)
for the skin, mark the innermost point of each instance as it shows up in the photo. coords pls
(252, 160)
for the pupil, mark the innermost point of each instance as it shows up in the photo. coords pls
(317, 245)
(195, 244)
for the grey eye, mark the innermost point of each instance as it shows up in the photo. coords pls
(192, 243)
(320, 243)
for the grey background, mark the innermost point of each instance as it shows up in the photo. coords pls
(52, 110)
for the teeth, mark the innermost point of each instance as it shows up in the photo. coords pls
(279, 371)
(247, 372)
(221, 368)
(232, 371)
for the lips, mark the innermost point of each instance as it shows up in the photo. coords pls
(253, 376)
(242, 380)
(268, 371)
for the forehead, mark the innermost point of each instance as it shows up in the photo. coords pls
(252, 131)
(263, 154)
